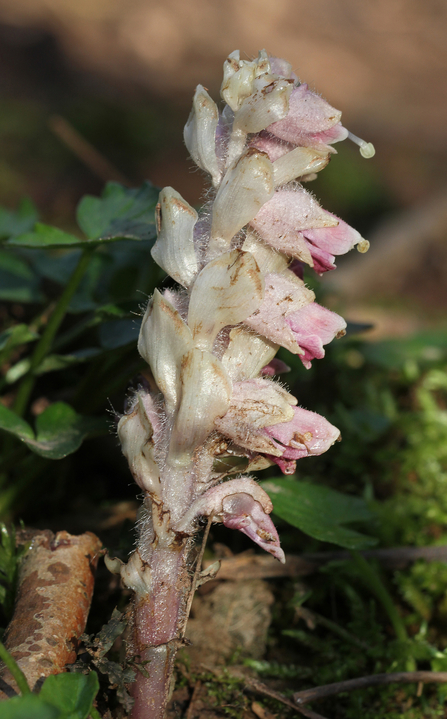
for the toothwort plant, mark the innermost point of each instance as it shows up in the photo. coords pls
(210, 345)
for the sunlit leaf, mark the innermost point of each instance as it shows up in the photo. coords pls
(319, 511)
(72, 694)
(29, 707)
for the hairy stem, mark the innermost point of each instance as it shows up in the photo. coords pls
(159, 617)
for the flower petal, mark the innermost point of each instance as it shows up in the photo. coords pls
(241, 511)
(308, 116)
(246, 354)
(205, 395)
(284, 294)
(226, 292)
(241, 504)
(314, 326)
(267, 104)
(254, 405)
(247, 185)
(308, 434)
(238, 77)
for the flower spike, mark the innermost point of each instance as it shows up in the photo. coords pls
(210, 343)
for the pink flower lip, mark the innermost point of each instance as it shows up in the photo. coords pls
(242, 512)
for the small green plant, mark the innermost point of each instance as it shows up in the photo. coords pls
(62, 696)
(10, 556)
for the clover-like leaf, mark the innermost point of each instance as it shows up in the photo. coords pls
(59, 429)
(121, 212)
(72, 694)
(319, 511)
(18, 281)
(44, 236)
(12, 423)
(29, 706)
(13, 223)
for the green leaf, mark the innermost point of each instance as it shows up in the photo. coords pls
(394, 354)
(12, 423)
(29, 707)
(55, 362)
(16, 223)
(72, 694)
(120, 213)
(59, 429)
(118, 333)
(18, 282)
(15, 336)
(45, 236)
(319, 511)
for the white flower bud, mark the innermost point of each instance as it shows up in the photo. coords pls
(174, 248)
(164, 340)
(247, 185)
(200, 133)
(227, 291)
(237, 81)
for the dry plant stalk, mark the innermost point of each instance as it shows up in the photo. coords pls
(55, 588)
(210, 345)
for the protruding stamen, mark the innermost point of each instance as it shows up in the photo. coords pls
(367, 149)
(363, 246)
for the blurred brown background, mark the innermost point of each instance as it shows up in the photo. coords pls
(122, 73)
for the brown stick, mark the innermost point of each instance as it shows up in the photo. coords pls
(85, 152)
(329, 690)
(256, 566)
(55, 588)
(258, 686)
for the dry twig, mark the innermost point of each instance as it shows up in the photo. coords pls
(329, 690)
(258, 686)
(85, 152)
(256, 566)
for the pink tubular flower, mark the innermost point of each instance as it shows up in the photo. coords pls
(274, 367)
(262, 418)
(242, 512)
(288, 317)
(310, 122)
(306, 435)
(293, 222)
(314, 326)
